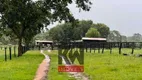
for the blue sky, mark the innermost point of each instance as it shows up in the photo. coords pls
(122, 15)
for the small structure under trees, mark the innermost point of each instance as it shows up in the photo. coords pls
(44, 43)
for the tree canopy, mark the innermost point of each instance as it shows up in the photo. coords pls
(92, 32)
(114, 36)
(137, 37)
(103, 29)
(26, 18)
(68, 31)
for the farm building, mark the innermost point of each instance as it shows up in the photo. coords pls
(44, 43)
(85, 39)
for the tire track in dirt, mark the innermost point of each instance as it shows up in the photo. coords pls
(43, 68)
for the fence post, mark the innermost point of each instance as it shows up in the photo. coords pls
(98, 47)
(120, 46)
(90, 47)
(5, 54)
(94, 47)
(14, 51)
(10, 52)
(39, 47)
(52, 46)
(86, 46)
(133, 46)
(103, 45)
(94, 50)
(110, 46)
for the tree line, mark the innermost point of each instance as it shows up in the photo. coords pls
(116, 36)
(23, 19)
(85, 28)
(67, 31)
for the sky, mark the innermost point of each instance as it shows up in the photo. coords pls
(122, 15)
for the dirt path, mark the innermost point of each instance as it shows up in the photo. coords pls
(43, 68)
(76, 75)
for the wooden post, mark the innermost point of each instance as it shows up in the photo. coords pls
(133, 46)
(51, 46)
(14, 51)
(10, 52)
(5, 54)
(120, 46)
(39, 47)
(94, 50)
(110, 46)
(86, 47)
(103, 45)
(99, 48)
(90, 47)
(140, 45)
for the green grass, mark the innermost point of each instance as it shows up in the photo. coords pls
(113, 66)
(53, 73)
(129, 50)
(2, 56)
(97, 66)
(21, 68)
(105, 66)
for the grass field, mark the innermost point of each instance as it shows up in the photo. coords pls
(113, 66)
(24, 67)
(105, 66)
(53, 73)
(21, 68)
(98, 66)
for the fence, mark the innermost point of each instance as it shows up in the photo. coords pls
(100, 46)
(11, 51)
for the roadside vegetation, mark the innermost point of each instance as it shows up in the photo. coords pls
(20, 68)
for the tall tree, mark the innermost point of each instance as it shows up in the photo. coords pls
(68, 31)
(92, 32)
(57, 34)
(103, 29)
(22, 16)
(84, 25)
(62, 33)
(114, 36)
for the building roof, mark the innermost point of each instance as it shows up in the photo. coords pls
(43, 41)
(77, 41)
(98, 39)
